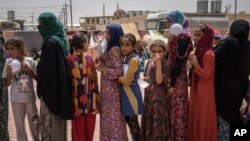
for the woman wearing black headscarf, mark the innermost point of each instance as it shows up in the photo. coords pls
(52, 80)
(231, 76)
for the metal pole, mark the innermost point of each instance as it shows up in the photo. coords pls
(71, 15)
(235, 8)
(66, 6)
(64, 14)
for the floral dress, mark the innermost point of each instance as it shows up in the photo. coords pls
(112, 125)
(4, 135)
(85, 94)
(84, 84)
(178, 102)
(154, 126)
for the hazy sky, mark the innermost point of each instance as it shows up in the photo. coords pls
(82, 8)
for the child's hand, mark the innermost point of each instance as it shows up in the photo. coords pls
(25, 67)
(97, 60)
(9, 71)
(170, 91)
(193, 59)
(170, 37)
(157, 60)
(99, 66)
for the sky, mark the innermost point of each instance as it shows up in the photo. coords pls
(81, 8)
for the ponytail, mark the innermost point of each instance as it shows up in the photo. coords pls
(77, 41)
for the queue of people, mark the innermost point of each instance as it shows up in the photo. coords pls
(67, 84)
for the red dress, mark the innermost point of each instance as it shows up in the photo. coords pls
(202, 121)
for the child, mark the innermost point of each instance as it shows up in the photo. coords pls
(217, 37)
(22, 94)
(131, 98)
(155, 119)
(202, 111)
(84, 89)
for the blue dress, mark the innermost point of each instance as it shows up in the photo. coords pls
(131, 97)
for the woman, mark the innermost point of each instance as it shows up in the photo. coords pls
(4, 135)
(112, 126)
(53, 85)
(202, 121)
(178, 17)
(232, 71)
(179, 49)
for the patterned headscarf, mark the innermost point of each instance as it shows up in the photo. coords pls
(178, 17)
(50, 27)
(116, 32)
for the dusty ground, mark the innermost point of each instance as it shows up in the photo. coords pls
(12, 129)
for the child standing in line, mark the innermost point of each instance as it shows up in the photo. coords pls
(22, 94)
(131, 98)
(155, 118)
(84, 89)
(202, 118)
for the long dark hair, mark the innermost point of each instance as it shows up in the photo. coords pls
(131, 38)
(77, 41)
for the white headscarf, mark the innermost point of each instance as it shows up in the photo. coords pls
(176, 29)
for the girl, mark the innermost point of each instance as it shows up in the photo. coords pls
(22, 94)
(202, 112)
(112, 126)
(131, 97)
(179, 47)
(84, 89)
(154, 119)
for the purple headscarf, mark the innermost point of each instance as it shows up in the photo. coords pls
(116, 32)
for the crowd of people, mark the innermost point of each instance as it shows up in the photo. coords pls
(214, 67)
